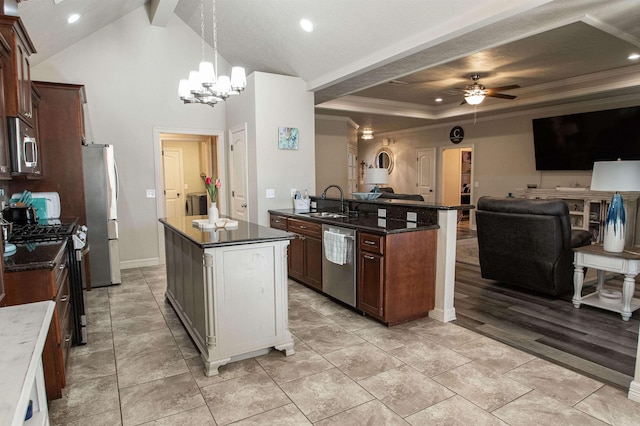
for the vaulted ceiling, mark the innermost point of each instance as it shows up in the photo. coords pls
(383, 63)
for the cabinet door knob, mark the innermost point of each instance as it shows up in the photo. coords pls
(366, 256)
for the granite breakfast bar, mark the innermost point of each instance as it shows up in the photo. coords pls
(229, 288)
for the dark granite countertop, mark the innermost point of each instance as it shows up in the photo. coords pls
(245, 233)
(363, 222)
(31, 256)
(399, 202)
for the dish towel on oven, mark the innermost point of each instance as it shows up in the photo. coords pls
(335, 247)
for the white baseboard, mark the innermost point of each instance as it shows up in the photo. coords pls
(443, 315)
(140, 263)
(634, 391)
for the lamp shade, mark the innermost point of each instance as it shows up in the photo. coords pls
(617, 176)
(376, 176)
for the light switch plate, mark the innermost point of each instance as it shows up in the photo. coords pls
(271, 193)
(151, 193)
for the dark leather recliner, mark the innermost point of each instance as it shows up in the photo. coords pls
(527, 243)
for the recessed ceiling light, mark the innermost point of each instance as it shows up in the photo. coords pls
(306, 25)
(73, 18)
(438, 99)
(634, 56)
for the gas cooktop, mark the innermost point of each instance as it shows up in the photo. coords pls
(41, 232)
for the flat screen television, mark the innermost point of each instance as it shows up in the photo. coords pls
(574, 142)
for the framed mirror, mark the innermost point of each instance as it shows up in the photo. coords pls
(384, 159)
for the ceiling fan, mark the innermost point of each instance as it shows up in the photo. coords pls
(476, 92)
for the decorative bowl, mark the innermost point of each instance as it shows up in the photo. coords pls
(366, 195)
(610, 296)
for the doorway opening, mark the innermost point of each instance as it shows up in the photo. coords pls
(185, 159)
(457, 181)
(180, 158)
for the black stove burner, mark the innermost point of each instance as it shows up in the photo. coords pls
(39, 232)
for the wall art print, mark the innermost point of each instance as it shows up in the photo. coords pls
(287, 138)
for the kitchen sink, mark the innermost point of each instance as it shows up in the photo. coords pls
(326, 215)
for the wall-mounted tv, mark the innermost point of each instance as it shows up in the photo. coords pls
(574, 142)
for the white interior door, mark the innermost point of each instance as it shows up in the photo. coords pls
(173, 183)
(238, 180)
(426, 171)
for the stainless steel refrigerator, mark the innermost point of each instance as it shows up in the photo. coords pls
(101, 199)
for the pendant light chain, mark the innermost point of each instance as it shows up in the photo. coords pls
(215, 38)
(202, 27)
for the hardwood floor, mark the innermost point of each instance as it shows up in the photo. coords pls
(589, 340)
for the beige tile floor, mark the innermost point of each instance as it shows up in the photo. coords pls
(140, 367)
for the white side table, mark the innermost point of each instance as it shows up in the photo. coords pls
(594, 256)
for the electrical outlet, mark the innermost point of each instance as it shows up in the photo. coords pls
(412, 216)
(382, 212)
(476, 184)
(293, 192)
(271, 193)
(151, 193)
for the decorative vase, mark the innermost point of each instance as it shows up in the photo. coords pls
(614, 226)
(213, 213)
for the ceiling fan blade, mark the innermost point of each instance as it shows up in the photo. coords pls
(503, 88)
(500, 95)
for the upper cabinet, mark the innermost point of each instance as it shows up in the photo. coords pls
(5, 160)
(17, 73)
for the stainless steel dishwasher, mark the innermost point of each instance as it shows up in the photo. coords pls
(339, 280)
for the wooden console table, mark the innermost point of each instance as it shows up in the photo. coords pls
(594, 256)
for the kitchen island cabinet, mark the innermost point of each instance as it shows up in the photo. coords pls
(396, 275)
(305, 252)
(229, 288)
(23, 330)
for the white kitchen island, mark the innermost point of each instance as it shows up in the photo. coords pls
(23, 331)
(229, 288)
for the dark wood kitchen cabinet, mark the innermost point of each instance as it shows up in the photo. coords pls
(17, 73)
(396, 275)
(50, 283)
(305, 253)
(60, 133)
(5, 159)
(305, 250)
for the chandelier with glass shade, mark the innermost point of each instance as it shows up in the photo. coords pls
(206, 86)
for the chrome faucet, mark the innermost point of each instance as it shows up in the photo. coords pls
(324, 195)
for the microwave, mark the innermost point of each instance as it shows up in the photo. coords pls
(23, 148)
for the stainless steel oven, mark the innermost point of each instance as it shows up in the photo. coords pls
(55, 230)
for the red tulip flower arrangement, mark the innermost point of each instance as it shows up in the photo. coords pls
(212, 187)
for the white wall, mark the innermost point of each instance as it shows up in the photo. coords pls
(278, 101)
(131, 71)
(333, 136)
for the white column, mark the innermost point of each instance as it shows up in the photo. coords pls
(445, 266)
(634, 388)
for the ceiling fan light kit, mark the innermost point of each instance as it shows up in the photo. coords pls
(476, 92)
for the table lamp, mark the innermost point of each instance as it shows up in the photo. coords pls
(618, 176)
(376, 176)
